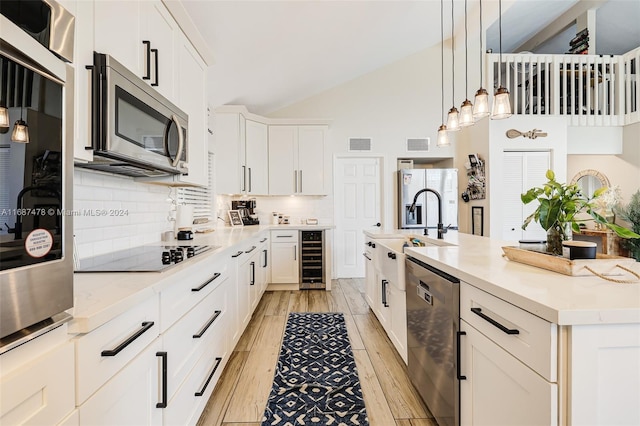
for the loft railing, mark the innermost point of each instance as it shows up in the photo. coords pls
(589, 89)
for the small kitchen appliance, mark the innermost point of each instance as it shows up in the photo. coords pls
(247, 211)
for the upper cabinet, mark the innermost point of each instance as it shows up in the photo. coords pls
(241, 155)
(145, 38)
(296, 160)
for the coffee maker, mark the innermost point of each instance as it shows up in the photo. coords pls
(246, 210)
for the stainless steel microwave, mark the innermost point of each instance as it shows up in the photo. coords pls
(135, 130)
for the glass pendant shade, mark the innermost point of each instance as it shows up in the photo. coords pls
(453, 120)
(443, 137)
(4, 117)
(501, 104)
(466, 114)
(481, 104)
(20, 132)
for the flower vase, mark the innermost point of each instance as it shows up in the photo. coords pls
(556, 235)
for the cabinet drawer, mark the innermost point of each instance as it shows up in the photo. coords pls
(191, 287)
(206, 321)
(284, 236)
(527, 337)
(40, 392)
(101, 353)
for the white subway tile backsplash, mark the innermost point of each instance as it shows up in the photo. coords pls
(114, 213)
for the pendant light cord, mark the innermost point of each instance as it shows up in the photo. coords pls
(466, 55)
(442, 56)
(500, 36)
(481, 79)
(453, 61)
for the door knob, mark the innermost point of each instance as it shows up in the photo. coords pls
(378, 224)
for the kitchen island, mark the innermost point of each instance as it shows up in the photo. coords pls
(567, 352)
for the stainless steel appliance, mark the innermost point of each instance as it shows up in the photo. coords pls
(150, 258)
(425, 215)
(433, 324)
(135, 130)
(36, 240)
(247, 211)
(312, 266)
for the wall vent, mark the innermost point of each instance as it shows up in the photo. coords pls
(418, 145)
(359, 144)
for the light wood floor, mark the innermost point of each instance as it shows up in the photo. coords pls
(241, 394)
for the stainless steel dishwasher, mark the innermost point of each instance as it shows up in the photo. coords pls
(433, 323)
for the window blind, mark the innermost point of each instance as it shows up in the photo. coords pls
(200, 198)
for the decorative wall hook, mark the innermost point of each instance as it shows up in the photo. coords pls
(532, 134)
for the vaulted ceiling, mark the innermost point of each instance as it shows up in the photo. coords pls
(270, 54)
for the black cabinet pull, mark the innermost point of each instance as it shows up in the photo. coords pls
(251, 249)
(263, 240)
(237, 254)
(115, 351)
(206, 383)
(216, 275)
(244, 178)
(163, 403)
(458, 334)
(373, 245)
(207, 325)
(95, 106)
(365, 255)
(147, 76)
(384, 293)
(265, 258)
(155, 52)
(493, 322)
(253, 273)
(391, 255)
(369, 243)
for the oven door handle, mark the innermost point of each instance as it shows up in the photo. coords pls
(175, 160)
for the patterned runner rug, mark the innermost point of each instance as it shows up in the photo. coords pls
(316, 381)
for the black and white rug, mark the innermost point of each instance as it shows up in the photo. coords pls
(316, 381)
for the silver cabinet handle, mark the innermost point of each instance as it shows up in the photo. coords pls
(176, 160)
(300, 180)
(295, 181)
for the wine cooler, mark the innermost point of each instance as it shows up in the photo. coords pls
(312, 263)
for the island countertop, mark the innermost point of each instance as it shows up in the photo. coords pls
(557, 298)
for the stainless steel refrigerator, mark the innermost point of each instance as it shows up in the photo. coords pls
(410, 181)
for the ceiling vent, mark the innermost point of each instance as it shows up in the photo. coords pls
(418, 145)
(359, 144)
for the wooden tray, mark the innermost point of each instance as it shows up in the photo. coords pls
(603, 264)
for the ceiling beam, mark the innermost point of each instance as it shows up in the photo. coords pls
(562, 23)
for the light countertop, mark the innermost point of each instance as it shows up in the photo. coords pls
(100, 297)
(558, 298)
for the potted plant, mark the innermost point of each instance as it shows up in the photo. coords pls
(631, 213)
(557, 212)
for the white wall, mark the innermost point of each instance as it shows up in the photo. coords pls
(144, 212)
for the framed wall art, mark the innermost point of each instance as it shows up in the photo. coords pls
(477, 220)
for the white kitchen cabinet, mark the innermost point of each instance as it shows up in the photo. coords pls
(499, 389)
(370, 274)
(296, 160)
(382, 306)
(132, 396)
(241, 152)
(285, 266)
(41, 391)
(398, 330)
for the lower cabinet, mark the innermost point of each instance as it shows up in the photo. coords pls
(382, 308)
(133, 396)
(398, 330)
(285, 267)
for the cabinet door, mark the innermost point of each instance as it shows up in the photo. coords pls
(398, 306)
(192, 97)
(117, 32)
(256, 155)
(383, 311)
(370, 281)
(311, 160)
(499, 389)
(283, 172)
(284, 263)
(228, 168)
(243, 290)
(130, 397)
(159, 28)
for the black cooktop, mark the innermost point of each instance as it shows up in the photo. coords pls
(142, 259)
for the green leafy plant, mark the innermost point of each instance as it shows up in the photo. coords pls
(631, 213)
(560, 204)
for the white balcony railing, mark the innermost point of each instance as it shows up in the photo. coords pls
(589, 89)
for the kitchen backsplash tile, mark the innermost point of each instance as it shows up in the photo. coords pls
(113, 213)
(297, 208)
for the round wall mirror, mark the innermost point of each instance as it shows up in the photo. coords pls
(589, 181)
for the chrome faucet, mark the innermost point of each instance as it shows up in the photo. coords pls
(441, 230)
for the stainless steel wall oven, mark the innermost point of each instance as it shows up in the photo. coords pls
(36, 152)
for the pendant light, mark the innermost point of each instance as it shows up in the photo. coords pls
(501, 104)
(4, 112)
(4, 118)
(453, 119)
(443, 137)
(20, 132)
(481, 101)
(466, 109)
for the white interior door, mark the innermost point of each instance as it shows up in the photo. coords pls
(357, 207)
